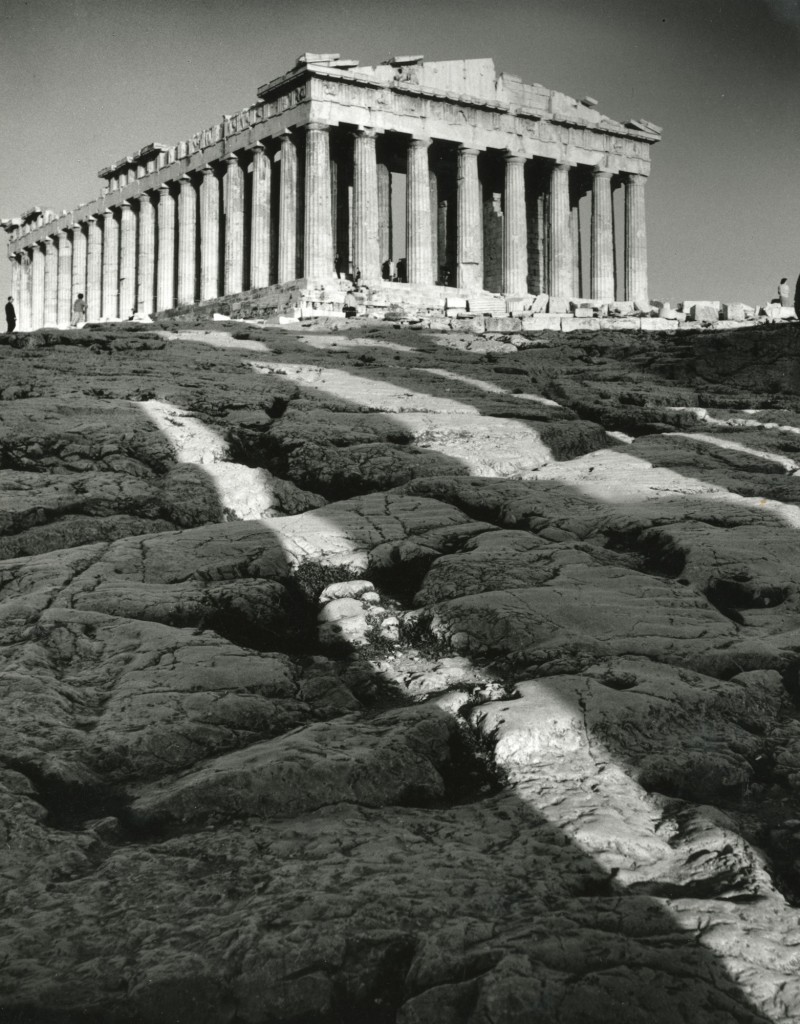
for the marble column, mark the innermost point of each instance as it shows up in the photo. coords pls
(515, 227)
(64, 279)
(127, 261)
(94, 270)
(384, 214)
(287, 214)
(260, 218)
(602, 239)
(165, 283)
(78, 264)
(209, 234)
(366, 243)
(318, 224)
(635, 240)
(15, 288)
(50, 282)
(469, 222)
(37, 287)
(146, 255)
(418, 213)
(24, 311)
(110, 266)
(560, 233)
(233, 191)
(187, 240)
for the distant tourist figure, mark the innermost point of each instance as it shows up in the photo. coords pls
(11, 315)
(797, 297)
(783, 293)
(357, 278)
(78, 310)
(349, 304)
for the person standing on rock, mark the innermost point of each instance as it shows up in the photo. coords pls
(78, 310)
(783, 293)
(11, 316)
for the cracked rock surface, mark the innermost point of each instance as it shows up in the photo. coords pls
(358, 673)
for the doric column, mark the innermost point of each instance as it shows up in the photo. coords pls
(366, 252)
(318, 233)
(436, 256)
(469, 226)
(515, 228)
(165, 284)
(602, 240)
(635, 240)
(287, 213)
(187, 240)
(418, 207)
(260, 218)
(94, 270)
(146, 255)
(78, 264)
(233, 190)
(64, 279)
(384, 213)
(24, 311)
(209, 234)
(37, 287)
(127, 261)
(50, 282)
(15, 288)
(110, 266)
(560, 235)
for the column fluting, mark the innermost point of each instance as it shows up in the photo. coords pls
(260, 218)
(560, 233)
(64, 279)
(37, 287)
(515, 228)
(418, 208)
(469, 222)
(209, 234)
(636, 288)
(127, 261)
(50, 282)
(79, 260)
(287, 214)
(24, 312)
(146, 255)
(602, 238)
(94, 270)
(187, 240)
(318, 223)
(15, 287)
(110, 266)
(165, 283)
(234, 225)
(366, 251)
(384, 213)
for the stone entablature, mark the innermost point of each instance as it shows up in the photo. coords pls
(299, 185)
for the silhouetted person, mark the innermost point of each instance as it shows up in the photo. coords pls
(78, 310)
(783, 293)
(797, 297)
(11, 316)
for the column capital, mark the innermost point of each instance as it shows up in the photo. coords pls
(61, 233)
(145, 197)
(286, 135)
(257, 147)
(230, 159)
(317, 126)
(466, 150)
(108, 213)
(602, 172)
(186, 180)
(208, 169)
(365, 131)
(635, 179)
(49, 241)
(419, 142)
(163, 190)
(511, 157)
(125, 204)
(563, 165)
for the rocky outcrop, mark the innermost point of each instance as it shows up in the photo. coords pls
(375, 681)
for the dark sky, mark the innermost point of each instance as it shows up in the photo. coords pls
(86, 81)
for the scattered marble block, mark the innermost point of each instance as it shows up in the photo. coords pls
(558, 305)
(539, 304)
(574, 323)
(503, 324)
(704, 312)
(583, 312)
(517, 305)
(621, 308)
(657, 323)
(456, 302)
(542, 322)
(620, 323)
(732, 311)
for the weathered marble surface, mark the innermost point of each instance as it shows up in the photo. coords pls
(547, 768)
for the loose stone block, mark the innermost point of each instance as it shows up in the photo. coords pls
(657, 323)
(732, 311)
(583, 312)
(572, 323)
(621, 308)
(704, 312)
(539, 304)
(556, 305)
(503, 324)
(620, 323)
(542, 322)
(516, 306)
(456, 302)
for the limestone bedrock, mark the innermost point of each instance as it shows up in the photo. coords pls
(373, 675)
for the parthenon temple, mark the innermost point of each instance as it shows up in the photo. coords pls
(409, 176)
